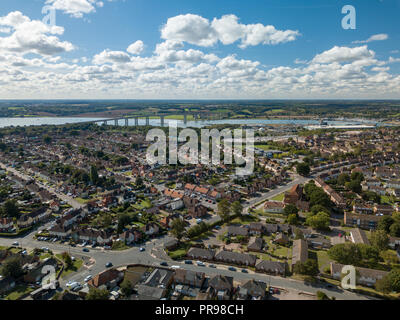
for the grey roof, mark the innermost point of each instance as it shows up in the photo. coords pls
(300, 251)
(255, 243)
(201, 253)
(150, 293)
(253, 287)
(238, 231)
(359, 236)
(235, 257)
(271, 266)
(159, 277)
(220, 282)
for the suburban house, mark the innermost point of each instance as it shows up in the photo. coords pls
(256, 228)
(201, 254)
(6, 224)
(274, 207)
(235, 258)
(221, 287)
(365, 277)
(189, 278)
(364, 221)
(109, 278)
(255, 244)
(253, 290)
(237, 231)
(271, 267)
(300, 251)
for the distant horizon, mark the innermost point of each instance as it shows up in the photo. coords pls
(202, 100)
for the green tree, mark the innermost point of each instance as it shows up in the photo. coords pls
(303, 169)
(379, 239)
(224, 209)
(390, 257)
(237, 208)
(12, 267)
(290, 209)
(343, 178)
(126, 288)
(123, 220)
(178, 228)
(357, 176)
(94, 176)
(68, 260)
(292, 219)
(97, 294)
(385, 222)
(395, 229)
(319, 208)
(345, 253)
(319, 197)
(354, 185)
(320, 221)
(10, 209)
(390, 282)
(368, 253)
(309, 267)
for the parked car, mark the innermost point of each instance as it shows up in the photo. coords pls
(85, 250)
(212, 266)
(188, 262)
(71, 284)
(163, 263)
(200, 264)
(245, 271)
(76, 287)
(109, 265)
(142, 249)
(15, 243)
(88, 278)
(232, 269)
(175, 267)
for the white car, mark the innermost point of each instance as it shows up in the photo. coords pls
(88, 278)
(71, 284)
(175, 267)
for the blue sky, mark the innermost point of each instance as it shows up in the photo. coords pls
(219, 49)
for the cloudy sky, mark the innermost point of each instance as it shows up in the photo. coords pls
(198, 49)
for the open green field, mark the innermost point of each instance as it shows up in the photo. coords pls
(279, 197)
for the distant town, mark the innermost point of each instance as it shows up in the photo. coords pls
(81, 202)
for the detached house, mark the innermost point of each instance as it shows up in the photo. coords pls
(6, 225)
(151, 229)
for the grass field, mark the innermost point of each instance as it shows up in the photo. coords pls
(18, 292)
(279, 197)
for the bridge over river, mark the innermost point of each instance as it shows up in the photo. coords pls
(162, 117)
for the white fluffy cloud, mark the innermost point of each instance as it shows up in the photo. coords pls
(75, 8)
(31, 36)
(197, 30)
(136, 47)
(375, 37)
(344, 54)
(173, 71)
(108, 56)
